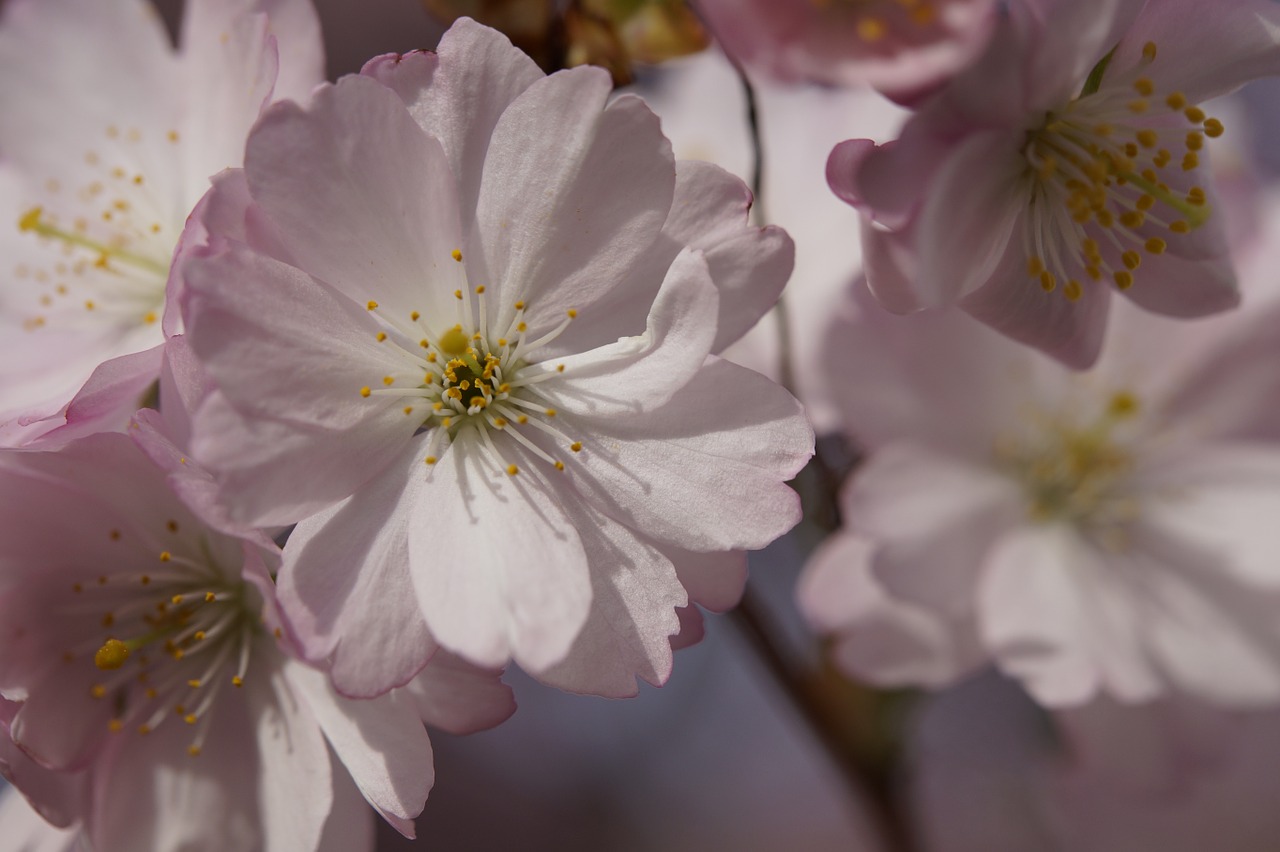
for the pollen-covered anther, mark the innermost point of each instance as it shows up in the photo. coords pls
(112, 655)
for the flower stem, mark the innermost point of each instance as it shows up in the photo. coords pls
(871, 781)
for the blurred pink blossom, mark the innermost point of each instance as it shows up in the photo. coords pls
(1067, 162)
(109, 139)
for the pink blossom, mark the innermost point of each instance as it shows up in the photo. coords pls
(1069, 161)
(106, 149)
(902, 47)
(1109, 532)
(474, 361)
(158, 699)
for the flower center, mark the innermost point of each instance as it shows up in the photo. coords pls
(478, 373)
(1099, 175)
(110, 241)
(170, 640)
(874, 16)
(1074, 471)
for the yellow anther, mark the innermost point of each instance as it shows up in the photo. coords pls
(1035, 267)
(550, 412)
(1104, 130)
(165, 556)
(521, 327)
(210, 597)
(194, 684)
(388, 381)
(457, 255)
(1195, 141)
(150, 318)
(1139, 106)
(172, 136)
(193, 750)
(1123, 404)
(1145, 202)
(871, 29)
(144, 729)
(479, 289)
(1155, 245)
(457, 294)
(1148, 138)
(365, 391)
(500, 422)
(1149, 51)
(1176, 100)
(371, 305)
(98, 691)
(237, 681)
(453, 341)
(1132, 218)
(414, 315)
(176, 599)
(381, 336)
(1194, 114)
(89, 305)
(108, 620)
(1131, 259)
(1213, 128)
(1190, 161)
(112, 655)
(1073, 291)
(576, 446)
(408, 409)
(572, 313)
(512, 470)
(1144, 87)
(115, 726)
(31, 219)
(559, 465)
(190, 718)
(1047, 281)
(199, 635)
(145, 580)
(1180, 227)
(431, 460)
(1123, 279)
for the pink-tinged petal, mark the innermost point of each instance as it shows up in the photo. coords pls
(574, 194)
(705, 472)
(294, 764)
(635, 593)
(293, 438)
(1189, 289)
(749, 265)
(890, 267)
(107, 55)
(1229, 389)
(693, 628)
(933, 517)
(714, 581)
(1222, 501)
(381, 742)
(455, 696)
(345, 585)
(1210, 635)
(22, 826)
(880, 639)
(1067, 39)
(498, 568)
(59, 797)
(969, 215)
(184, 384)
(458, 94)
(641, 373)
(350, 826)
(211, 801)
(293, 25)
(1014, 304)
(107, 401)
(1030, 615)
(926, 377)
(229, 59)
(1054, 616)
(384, 219)
(1205, 55)
(886, 182)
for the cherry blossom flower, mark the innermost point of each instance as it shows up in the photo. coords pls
(106, 150)
(1108, 532)
(158, 699)
(477, 367)
(1068, 162)
(902, 47)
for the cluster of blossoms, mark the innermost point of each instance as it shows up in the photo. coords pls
(323, 403)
